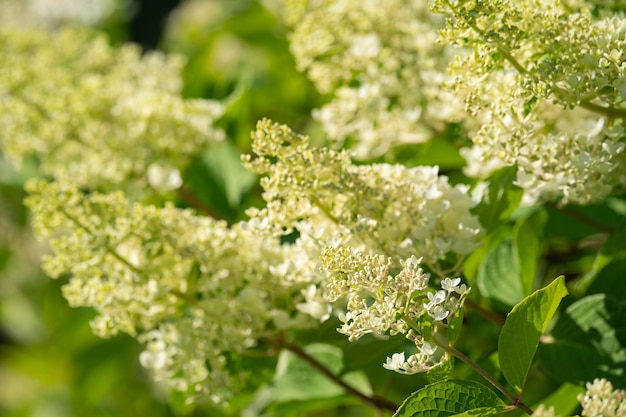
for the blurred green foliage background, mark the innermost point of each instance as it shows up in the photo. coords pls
(51, 365)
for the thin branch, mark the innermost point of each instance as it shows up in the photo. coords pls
(490, 315)
(580, 217)
(378, 403)
(516, 401)
(196, 203)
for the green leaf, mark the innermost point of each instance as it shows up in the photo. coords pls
(498, 276)
(450, 398)
(442, 371)
(563, 399)
(527, 239)
(177, 402)
(501, 198)
(437, 151)
(588, 341)
(610, 280)
(219, 180)
(370, 352)
(482, 412)
(613, 251)
(455, 325)
(297, 380)
(523, 327)
(491, 241)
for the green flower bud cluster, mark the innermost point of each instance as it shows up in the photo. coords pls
(166, 276)
(98, 116)
(381, 62)
(547, 96)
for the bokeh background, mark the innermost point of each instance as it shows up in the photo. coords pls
(51, 365)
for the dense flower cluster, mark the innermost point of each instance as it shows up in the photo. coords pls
(368, 221)
(98, 116)
(166, 276)
(383, 303)
(376, 243)
(390, 209)
(381, 62)
(602, 400)
(548, 97)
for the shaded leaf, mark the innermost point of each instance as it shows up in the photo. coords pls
(527, 238)
(523, 327)
(588, 341)
(498, 276)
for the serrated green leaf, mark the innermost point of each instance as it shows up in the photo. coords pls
(441, 372)
(527, 238)
(588, 341)
(524, 325)
(498, 276)
(482, 412)
(449, 398)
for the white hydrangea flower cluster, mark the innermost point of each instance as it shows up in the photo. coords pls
(390, 209)
(369, 223)
(547, 97)
(422, 361)
(98, 116)
(600, 400)
(383, 66)
(166, 277)
(385, 304)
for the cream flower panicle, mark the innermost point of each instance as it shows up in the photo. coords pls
(98, 116)
(382, 65)
(166, 276)
(391, 209)
(543, 95)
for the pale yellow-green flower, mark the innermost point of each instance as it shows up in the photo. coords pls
(544, 86)
(382, 65)
(167, 276)
(391, 209)
(95, 115)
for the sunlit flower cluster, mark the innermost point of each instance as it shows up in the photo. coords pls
(381, 62)
(602, 400)
(385, 303)
(390, 209)
(547, 96)
(370, 223)
(166, 276)
(98, 116)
